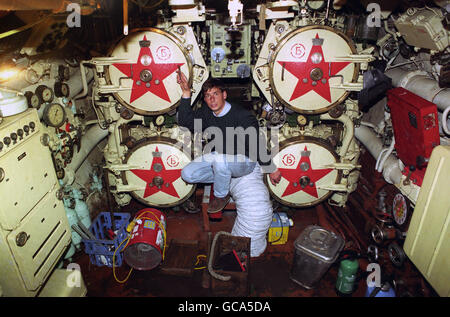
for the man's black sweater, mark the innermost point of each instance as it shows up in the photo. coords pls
(237, 132)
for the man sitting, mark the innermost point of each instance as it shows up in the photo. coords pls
(231, 155)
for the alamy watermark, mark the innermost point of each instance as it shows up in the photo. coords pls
(374, 278)
(74, 17)
(74, 278)
(374, 18)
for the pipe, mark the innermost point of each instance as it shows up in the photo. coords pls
(17, 5)
(386, 155)
(349, 128)
(83, 81)
(114, 129)
(125, 17)
(79, 88)
(420, 84)
(391, 170)
(444, 121)
(92, 137)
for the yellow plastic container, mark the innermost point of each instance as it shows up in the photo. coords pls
(279, 228)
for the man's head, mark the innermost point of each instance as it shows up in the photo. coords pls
(214, 94)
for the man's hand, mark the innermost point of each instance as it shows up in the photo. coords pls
(275, 177)
(184, 84)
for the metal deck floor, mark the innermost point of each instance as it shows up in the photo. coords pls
(268, 274)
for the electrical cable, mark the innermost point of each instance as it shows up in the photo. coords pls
(94, 106)
(282, 228)
(377, 163)
(444, 121)
(114, 262)
(388, 152)
(198, 260)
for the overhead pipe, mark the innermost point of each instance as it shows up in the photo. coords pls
(78, 88)
(125, 17)
(422, 85)
(22, 5)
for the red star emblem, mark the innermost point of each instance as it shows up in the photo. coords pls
(303, 176)
(314, 62)
(158, 173)
(157, 72)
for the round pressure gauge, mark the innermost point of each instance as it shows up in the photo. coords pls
(316, 5)
(301, 120)
(54, 115)
(44, 93)
(159, 120)
(63, 72)
(217, 54)
(61, 89)
(399, 209)
(33, 100)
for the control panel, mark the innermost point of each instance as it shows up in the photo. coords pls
(26, 168)
(230, 51)
(16, 130)
(34, 230)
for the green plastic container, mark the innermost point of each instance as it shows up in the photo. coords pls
(345, 283)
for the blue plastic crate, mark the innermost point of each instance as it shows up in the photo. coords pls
(101, 250)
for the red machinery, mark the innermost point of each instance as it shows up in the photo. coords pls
(416, 127)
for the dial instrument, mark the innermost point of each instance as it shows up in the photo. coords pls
(44, 93)
(63, 72)
(33, 100)
(54, 115)
(61, 89)
(159, 120)
(316, 5)
(301, 120)
(399, 209)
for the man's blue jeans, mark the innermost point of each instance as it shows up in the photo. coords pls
(217, 169)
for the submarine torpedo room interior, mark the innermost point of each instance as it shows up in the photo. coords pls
(352, 98)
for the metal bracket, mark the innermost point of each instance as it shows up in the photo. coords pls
(106, 61)
(342, 166)
(115, 168)
(108, 89)
(333, 187)
(355, 58)
(127, 188)
(348, 86)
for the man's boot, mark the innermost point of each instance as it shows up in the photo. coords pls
(217, 204)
